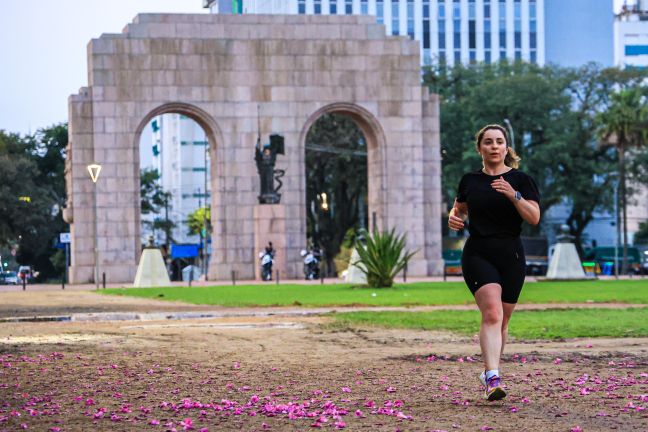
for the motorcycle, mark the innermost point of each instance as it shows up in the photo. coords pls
(267, 259)
(311, 264)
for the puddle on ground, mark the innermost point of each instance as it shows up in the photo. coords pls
(54, 339)
(237, 326)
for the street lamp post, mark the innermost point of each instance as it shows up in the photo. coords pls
(94, 170)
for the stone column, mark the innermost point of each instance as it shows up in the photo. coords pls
(270, 226)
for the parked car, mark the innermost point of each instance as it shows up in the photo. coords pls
(9, 278)
(536, 250)
(604, 258)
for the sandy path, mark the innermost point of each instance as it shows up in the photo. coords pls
(129, 373)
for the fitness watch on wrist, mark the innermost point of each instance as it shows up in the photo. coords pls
(518, 195)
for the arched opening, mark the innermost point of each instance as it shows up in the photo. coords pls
(175, 164)
(342, 148)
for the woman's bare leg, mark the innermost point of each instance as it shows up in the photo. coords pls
(489, 300)
(508, 311)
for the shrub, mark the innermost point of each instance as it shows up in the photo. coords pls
(383, 256)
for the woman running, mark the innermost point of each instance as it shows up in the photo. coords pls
(495, 199)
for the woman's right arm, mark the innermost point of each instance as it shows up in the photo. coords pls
(458, 215)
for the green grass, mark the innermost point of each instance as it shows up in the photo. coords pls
(428, 293)
(544, 324)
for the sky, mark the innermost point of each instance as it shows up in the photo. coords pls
(43, 52)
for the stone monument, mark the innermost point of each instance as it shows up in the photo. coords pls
(565, 264)
(235, 75)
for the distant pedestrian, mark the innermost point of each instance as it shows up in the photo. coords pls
(495, 200)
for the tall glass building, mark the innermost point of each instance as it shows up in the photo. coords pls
(449, 31)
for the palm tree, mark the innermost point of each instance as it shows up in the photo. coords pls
(625, 125)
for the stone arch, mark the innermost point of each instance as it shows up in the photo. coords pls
(241, 76)
(201, 117)
(376, 146)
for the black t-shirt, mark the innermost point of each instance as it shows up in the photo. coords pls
(490, 213)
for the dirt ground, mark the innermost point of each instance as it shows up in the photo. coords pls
(299, 373)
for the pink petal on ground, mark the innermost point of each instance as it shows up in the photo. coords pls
(525, 400)
(390, 390)
(576, 429)
(558, 360)
(346, 390)
(154, 422)
(513, 409)
(358, 413)
(485, 428)
(187, 424)
(339, 424)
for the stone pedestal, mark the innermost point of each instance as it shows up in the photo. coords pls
(151, 271)
(354, 274)
(565, 263)
(270, 226)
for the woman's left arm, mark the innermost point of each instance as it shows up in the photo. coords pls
(529, 210)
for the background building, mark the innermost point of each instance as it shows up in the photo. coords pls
(450, 31)
(631, 35)
(631, 50)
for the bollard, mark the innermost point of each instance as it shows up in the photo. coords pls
(405, 273)
(190, 275)
(321, 277)
(63, 282)
(103, 280)
(233, 277)
(24, 281)
(277, 277)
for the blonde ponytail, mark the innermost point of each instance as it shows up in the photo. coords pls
(512, 159)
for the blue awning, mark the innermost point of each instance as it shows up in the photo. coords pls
(184, 250)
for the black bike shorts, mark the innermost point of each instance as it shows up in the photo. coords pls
(494, 260)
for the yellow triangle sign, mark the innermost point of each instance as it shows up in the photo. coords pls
(94, 170)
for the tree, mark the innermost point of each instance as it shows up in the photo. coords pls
(198, 222)
(625, 125)
(553, 111)
(32, 185)
(336, 182)
(641, 236)
(153, 200)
